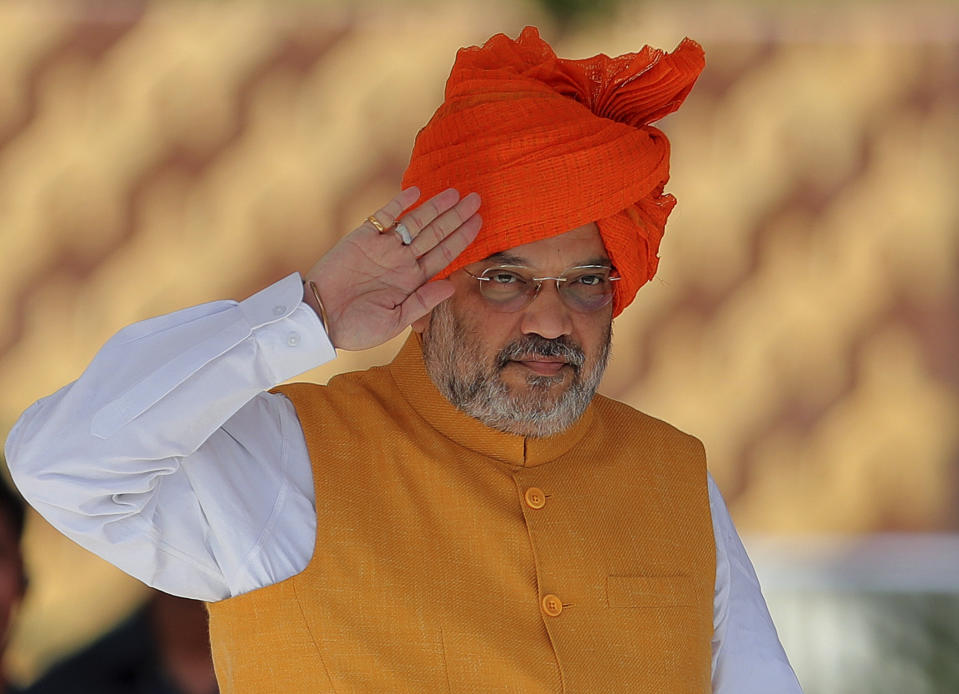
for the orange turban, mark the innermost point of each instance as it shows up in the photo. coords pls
(552, 144)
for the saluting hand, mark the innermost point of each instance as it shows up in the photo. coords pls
(373, 286)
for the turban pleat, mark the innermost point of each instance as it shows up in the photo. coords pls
(552, 144)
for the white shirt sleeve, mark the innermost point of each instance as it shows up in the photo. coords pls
(168, 459)
(747, 655)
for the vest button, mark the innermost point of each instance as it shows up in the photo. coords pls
(552, 605)
(535, 498)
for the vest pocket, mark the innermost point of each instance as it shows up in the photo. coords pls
(649, 591)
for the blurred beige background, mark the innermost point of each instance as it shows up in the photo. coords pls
(803, 322)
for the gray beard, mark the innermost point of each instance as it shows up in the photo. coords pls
(455, 363)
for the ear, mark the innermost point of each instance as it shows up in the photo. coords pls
(420, 324)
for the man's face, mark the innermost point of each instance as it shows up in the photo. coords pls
(531, 372)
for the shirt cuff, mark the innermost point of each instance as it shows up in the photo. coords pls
(287, 331)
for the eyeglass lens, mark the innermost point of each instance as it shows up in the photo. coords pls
(582, 289)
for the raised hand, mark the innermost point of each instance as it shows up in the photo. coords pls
(373, 286)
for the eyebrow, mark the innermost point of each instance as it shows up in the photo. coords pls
(506, 258)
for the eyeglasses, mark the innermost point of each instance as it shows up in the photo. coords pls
(509, 288)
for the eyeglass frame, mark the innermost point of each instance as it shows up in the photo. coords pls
(537, 283)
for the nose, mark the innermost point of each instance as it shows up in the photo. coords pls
(546, 315)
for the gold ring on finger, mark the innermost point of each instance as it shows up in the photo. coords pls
(375, 222)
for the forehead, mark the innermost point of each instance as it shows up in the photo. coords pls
(580, 246)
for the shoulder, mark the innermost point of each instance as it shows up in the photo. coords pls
(343, 396)
(620, 419)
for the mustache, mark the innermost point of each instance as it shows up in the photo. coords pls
(535, 345)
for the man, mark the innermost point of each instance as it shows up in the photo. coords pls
(470, 517)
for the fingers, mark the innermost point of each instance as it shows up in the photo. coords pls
(427, 213)
(441, 214)
(441, 227)
(444, 224)
(387, 214)
(443, 253)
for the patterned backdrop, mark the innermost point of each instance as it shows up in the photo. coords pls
(803, 322)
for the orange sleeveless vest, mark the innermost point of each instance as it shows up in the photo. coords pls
(454, 558)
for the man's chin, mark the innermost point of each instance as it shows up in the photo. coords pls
(528, 404)
(538, 394)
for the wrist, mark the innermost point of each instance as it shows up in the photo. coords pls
(311, 296)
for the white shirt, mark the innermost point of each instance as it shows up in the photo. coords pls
(168, 459)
